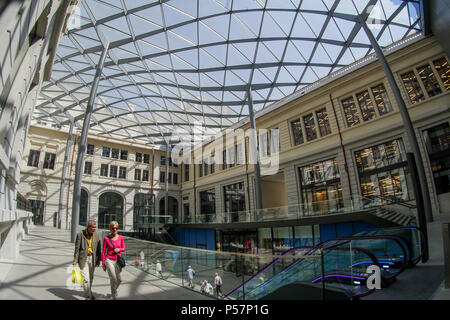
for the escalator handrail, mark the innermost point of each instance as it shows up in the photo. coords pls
(422, 239)
(391, 237)
(333, 247)
(309, 252)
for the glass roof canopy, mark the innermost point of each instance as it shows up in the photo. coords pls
(175, 64)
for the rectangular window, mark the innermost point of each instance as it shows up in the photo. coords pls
(429, 80)
(186, 172)
(264, 150)
(366, 105)
(137, 174)
(412, 87)
(113, 171)
(350, 111)
(162, 177)
(88, 167)
(206, 167)
(123, 155)
(122, 172)
(234, 199)
(33, 158)
(275, 140)
(224, 159)
(104, 170)
(230, 159)
(144, 175)
(200, 169)
(323, 121)
(115, 153)
(383, 172)
(437, 141)
(162, 162)
(297, 132)
(169, 178)
(321, 186)
(239, 154)
(381, 99)
(212, 165)
(207, 204)
(310, 127)
(90, 149)
(443, 70)
(138, 157)
(49, 160)
(106, 152)
(146, 158)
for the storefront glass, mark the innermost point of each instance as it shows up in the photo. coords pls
(384, 173)
(321, 187)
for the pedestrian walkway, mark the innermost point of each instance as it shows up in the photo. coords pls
(43, 272)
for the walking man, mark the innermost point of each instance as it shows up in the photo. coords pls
(190, 273)
(88, 255)
(218, 284)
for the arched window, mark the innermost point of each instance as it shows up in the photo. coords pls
(84, 200)
(173, 208)
(110, 208)
(143, 208)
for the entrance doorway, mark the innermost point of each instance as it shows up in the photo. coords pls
(37, 208)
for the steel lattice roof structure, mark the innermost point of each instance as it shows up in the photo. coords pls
(173, 64)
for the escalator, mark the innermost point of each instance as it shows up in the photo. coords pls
(338, 265)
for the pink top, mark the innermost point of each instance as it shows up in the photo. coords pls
(107, 246)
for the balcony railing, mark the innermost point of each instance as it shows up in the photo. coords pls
(301, 211)
(293, 212)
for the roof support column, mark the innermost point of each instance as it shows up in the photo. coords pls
(166, 200)
(409, 129)
(82, 145)
(63, 175)
(254, 148)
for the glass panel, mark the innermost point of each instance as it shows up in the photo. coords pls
(106, 152)
(429, 80)
(438, 138)
(351, 113)
(443, 69)
(381, 99)
(366, 106)
(207, 204)
(115, 153)
(282, 239)
(265, 241)
(310, 127)
(122, 172)
(323, 121)
(113, 171)
(303, 236)
(104, 170)
(297, 132)
(90, 149)
(275, 140)
(412, 87)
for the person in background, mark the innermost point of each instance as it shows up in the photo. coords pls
(190, 273)
(209, 290)
(88, 255)
(218, 285)
(113, 245)
(142, 256)
(158, 268)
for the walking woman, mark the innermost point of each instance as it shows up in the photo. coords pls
(113, 245)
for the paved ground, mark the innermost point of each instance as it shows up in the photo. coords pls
(43, 272)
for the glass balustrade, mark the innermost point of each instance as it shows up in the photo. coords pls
(295, 212)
